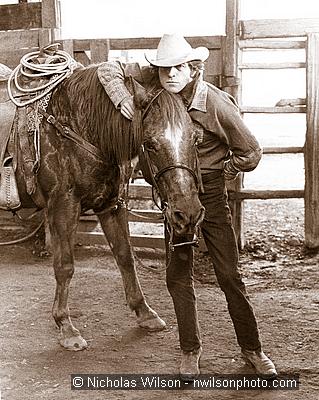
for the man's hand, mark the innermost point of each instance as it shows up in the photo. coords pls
(230, 172)
(127, 107)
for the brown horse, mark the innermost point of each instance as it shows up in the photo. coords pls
(86, 148)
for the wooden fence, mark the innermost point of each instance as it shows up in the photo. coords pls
(273, 34)
(26, 27)
(223, 69)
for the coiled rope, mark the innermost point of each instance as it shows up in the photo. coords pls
(52, 65)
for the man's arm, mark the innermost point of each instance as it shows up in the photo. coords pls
(112, 76)
(245, 150)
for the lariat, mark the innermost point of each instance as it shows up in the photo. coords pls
(49, 67)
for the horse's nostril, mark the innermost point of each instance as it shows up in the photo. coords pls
(179, 216)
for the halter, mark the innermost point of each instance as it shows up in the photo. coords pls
(154, 178)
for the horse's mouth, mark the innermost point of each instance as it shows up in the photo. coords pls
(183, 224)
(186, 232)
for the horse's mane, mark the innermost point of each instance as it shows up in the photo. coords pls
(100, 123)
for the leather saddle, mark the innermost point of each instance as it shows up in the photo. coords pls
(19, 122)
(14, 137)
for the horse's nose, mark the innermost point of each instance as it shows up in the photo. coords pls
(180, 219)
(186, 220)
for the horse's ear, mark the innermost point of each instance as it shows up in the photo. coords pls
(139, 94)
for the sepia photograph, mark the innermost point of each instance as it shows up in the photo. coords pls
(159, 200)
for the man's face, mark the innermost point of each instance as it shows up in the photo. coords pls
(174, 79)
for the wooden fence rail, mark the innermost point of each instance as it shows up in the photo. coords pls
(278, 28)
(89, 51)
(90, 233)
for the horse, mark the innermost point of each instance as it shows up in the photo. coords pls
(86, 151)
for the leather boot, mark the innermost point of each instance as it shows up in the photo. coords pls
(262, 364)
(189, 368)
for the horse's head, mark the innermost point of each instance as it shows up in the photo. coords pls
(168, 157)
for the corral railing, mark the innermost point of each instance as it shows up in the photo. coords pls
(25, 27)
(277, 35)
(40, 24)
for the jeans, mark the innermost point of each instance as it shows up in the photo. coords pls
(219, 236)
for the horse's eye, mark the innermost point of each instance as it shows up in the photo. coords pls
(151, 146)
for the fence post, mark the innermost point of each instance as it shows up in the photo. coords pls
(67, 45)
(51, 14)
(51, 18)
(230, 85)
(99, 50)
(312, 144)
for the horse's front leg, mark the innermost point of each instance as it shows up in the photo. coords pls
(63, 219)
(115, 227)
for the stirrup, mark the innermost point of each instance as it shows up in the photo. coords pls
(9, 195)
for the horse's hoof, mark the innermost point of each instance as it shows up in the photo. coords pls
(152, 324)
(74, 343)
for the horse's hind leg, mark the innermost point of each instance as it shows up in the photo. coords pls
(115, 227)
(63, 218)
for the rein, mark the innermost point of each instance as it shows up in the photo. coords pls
(67, 132)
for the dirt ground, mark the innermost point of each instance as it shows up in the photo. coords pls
(281, 277)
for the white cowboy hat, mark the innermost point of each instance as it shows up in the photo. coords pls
(174, 50)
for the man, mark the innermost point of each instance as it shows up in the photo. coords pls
(226, 147)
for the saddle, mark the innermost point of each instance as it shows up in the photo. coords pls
(22, 93)
(15, 137)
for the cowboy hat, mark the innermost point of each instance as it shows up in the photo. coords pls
(174, 50)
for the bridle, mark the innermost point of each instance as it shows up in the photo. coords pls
(153, 178)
